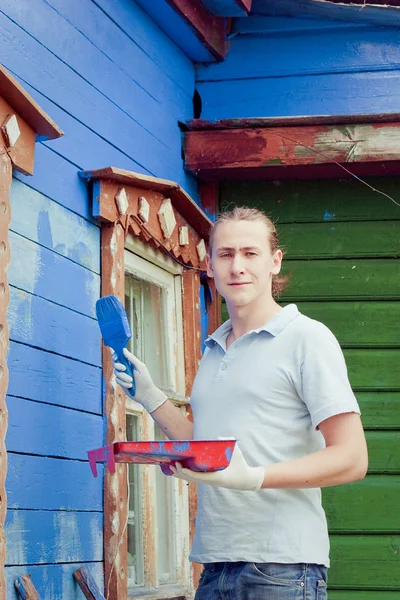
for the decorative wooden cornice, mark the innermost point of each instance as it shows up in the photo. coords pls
(21, 120)
(210, 30)
(157, 211)
(162, 215)
(293, 151)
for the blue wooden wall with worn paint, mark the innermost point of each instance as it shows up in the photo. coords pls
(117, 86)
(297, 66)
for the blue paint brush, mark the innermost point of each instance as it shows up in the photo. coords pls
(115, 330)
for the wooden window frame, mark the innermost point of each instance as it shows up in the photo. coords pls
(120, 201)
(22, 121)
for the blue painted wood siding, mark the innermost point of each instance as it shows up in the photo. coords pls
(298, 66)
(117, 86)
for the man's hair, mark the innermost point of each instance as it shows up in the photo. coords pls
(244, 213)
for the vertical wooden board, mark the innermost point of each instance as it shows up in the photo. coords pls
(41, 272)
(56, 178)
(328, 94)
(57, 431)
(343, 279)
(373, 369)
(53, 484)
(358, 507)
(293, 201)
(358, 324)
(384, 452)
(370, 562)
(380, 410)
(46, 377)
(37, 218)
(53, 582)
(35, 537)
(340, 240)
(354, 595)
(37, 322)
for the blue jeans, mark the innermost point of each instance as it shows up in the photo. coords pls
(262, 581)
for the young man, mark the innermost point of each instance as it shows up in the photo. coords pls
(276, 381)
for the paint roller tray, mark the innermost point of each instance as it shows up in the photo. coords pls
(198, 455)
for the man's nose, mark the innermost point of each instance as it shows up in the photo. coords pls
(237, 265)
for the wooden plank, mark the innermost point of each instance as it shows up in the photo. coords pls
(22, 152)
(380, 410)
(87, 584)
(25, 588)
(46, 274)
(217, 153)
(26, 107)
(53, 484)
(343, 279)
(38, 536)
(358, 507)
(331, 94)
(340, 240)
(357, 324)
(344, 50)
(370, 562)
(384, 451)
(313, 201)
(228, 8)
(373, 369)
(210, 30)
(60, 230)
(55, 579)
(354, 595)
(47, 377)
(68, 433)
(37, 322)
(83, 101)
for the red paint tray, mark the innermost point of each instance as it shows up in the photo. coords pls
(198, 455)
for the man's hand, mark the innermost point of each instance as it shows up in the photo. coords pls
(147, 394)
(238, 475)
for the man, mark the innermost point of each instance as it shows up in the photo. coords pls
(276, 381)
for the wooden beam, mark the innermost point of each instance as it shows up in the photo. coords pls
(23, 104)
(87, 584)
(228, 8)
(283, 151)
(25, 588)
(210, 30)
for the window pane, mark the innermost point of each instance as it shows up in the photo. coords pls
(165, 523)
(146, 306)
(135, 538)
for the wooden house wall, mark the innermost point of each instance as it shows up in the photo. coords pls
(279, 66)
(117, 86)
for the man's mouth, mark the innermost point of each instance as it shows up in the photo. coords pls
(239, 283)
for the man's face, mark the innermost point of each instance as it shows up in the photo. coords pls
(241, 262)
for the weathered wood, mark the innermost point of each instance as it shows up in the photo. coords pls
(373, 369)
(26, 107)
(216, 154)
(25, 588)
(367, 506)
(370, 562)
(380, 410)
(340, 240)
(315, 201)
(384, 452)
(369, 595)
(358, 324)
(87, 584)
(5, 216)
(22, 153)
(210, 30)
(343, 279)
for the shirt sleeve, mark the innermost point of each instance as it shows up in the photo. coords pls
(325, 383)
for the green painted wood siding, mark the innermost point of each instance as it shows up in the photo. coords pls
(342, 243)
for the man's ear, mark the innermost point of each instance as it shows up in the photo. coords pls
(277, 262)
(210, 271)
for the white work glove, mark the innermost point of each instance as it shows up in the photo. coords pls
(238, 475)
(147, 394)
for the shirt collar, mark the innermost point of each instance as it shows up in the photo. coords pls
(274, 326)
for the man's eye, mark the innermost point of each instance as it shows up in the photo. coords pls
(225, 255)
(251, 254)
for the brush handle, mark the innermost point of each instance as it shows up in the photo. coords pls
(130, 368)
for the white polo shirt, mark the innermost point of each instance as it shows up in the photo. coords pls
(269, 390)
